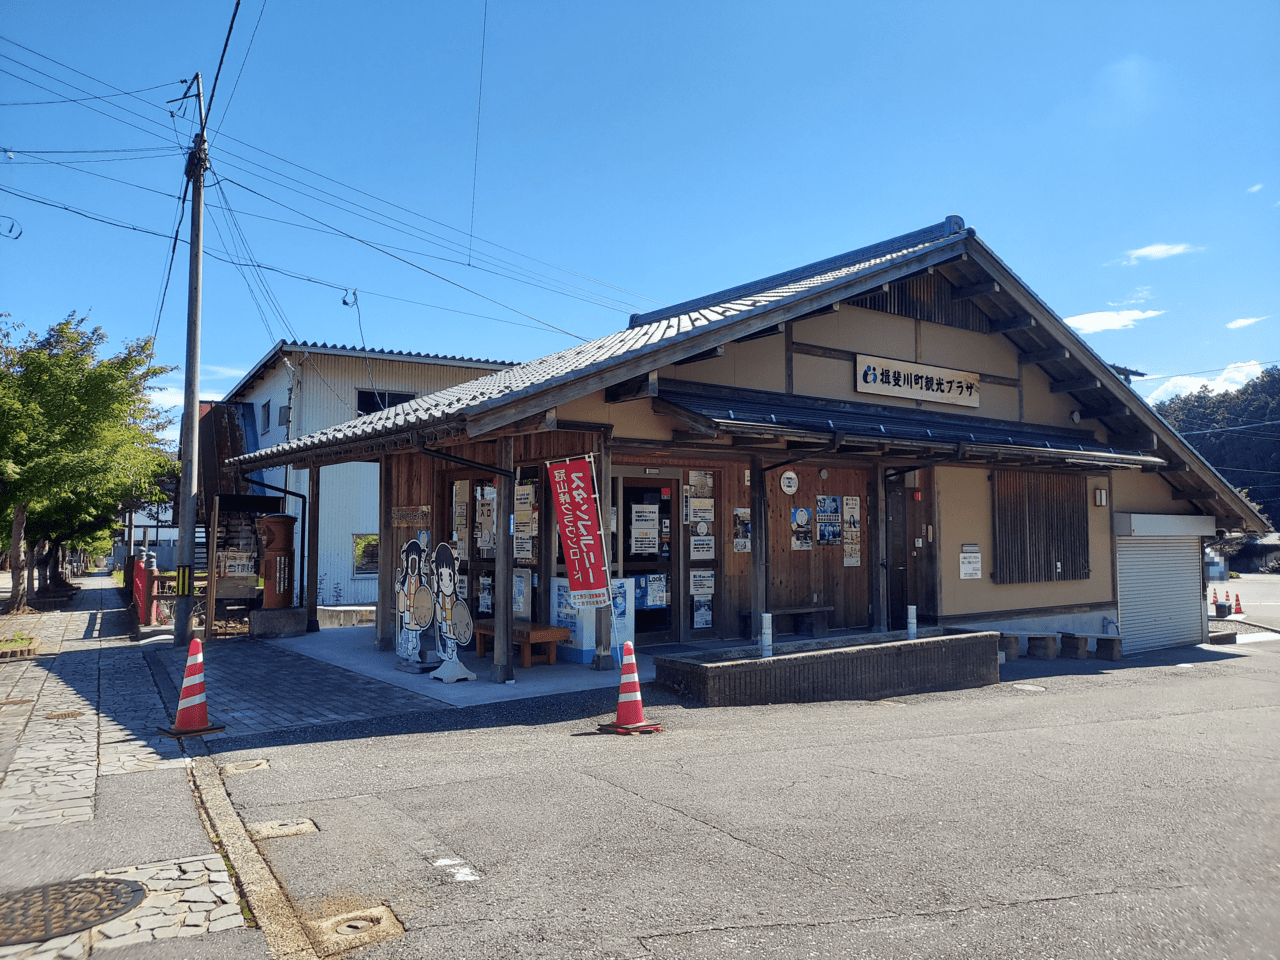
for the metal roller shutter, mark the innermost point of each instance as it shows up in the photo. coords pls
(1160, 592)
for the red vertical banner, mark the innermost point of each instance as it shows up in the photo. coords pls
(573, 491)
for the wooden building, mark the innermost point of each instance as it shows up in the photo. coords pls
(905, 425)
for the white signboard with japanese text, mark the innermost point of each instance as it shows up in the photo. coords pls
(914, 381)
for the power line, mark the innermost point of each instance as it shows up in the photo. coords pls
(102, 96)
(1169, 376)
(1247, 426)
(240, 73)
(103, 176)
(164, 290)
(475, 167)
(208, 112)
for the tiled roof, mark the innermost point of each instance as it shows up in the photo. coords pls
(645, 334)
(390, 354)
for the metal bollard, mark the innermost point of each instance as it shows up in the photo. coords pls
(766, 635)
(911, 622)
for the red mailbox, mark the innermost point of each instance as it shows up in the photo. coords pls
(276, 531)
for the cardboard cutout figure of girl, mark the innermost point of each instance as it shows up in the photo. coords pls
(414, 601)
(454, 627)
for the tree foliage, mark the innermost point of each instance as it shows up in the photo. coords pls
(1238, 432)
(78, 436)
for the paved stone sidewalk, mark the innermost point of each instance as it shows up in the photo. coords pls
(254, 687)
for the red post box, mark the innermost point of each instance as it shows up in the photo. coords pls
(276, 531)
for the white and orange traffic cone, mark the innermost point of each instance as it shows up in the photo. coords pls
(1239, 609)
(630, 706)
(1215, 594)
(193, 712)
(1226, 597)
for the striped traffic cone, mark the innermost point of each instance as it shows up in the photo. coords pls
(1215, 594)
(193, 712)
(1238, 609)
(630, 706)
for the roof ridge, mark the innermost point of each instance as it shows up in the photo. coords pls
(949, 227)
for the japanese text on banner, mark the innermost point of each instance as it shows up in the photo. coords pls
(578, 515)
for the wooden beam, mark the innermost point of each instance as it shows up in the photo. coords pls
(1175, 468)
(1005, 326)
(634, 389)
(999, 381)
(1142, 440)
(696, 422)
(975, 290)
(1195, 495)
(1099, 413)
(1071, 386)
(828, 353)
(1055, 352)
(313, 547)
(699, 357)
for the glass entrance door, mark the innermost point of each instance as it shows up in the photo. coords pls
(647, 552)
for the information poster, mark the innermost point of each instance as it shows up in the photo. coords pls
(563, 612)
(801, 528)
(521, 594)
(702, 548)
(644, 528)
(741, 529)
(702, 609)
(828, 519)
(524, 531)
(624, 611)
(970, 562)
(702, 583)
(486, 532)
(853, 531)
(461, 491)
(657, 584)
(486, 594)
(701, 483)
(702, 509)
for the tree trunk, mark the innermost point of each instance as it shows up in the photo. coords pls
(43, 556)
(17, 548)
(31, 573)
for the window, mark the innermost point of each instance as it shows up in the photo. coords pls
(266, 416)
(364, 554)
(1041, 527)
(371, 401)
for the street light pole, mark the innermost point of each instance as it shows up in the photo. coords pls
(197, 163)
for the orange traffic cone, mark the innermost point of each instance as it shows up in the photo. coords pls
(1215, 594)
(1238, 609)
(193, 712)
(630, 706)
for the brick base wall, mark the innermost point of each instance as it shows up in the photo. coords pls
(868, 672)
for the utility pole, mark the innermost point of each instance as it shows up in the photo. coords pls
(197, 163)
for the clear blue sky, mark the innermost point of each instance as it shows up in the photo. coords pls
(1122, 158)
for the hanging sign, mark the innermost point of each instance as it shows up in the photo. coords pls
(915, 381)
(578, 512)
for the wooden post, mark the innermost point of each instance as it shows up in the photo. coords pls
(759, 544)
(880, 559)
(313, 547)
(603, 658)
(388, 553)
(211, 584)
(503, 566)
(789, 353)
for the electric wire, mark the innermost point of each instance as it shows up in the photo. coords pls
(164, 290)
(103, 176)
(101, 96)
(236, 86)
(475, 166)
(213, 92)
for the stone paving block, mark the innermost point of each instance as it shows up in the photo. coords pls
(226, 923)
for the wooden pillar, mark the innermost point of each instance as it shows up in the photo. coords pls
(759, 544)
(880, 558)
(388, 553)
(313, 546)
(503, 566)
(603, 659)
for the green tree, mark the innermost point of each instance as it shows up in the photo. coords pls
(78, 437)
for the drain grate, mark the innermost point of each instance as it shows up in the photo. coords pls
(64, 715)
(15, 703)
(42, 913)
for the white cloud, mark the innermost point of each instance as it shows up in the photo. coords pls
(1140, 295)
(1158, 251)
(1232, 378)
(1255, 188)
(1109, 320)
(1243, 322)
(220, 373)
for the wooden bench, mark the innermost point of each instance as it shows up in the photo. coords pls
(819, 616)
(526, 636)
(1107, 645)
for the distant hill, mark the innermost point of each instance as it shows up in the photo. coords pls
(1243, 438)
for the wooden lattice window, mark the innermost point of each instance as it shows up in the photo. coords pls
(1041, 527)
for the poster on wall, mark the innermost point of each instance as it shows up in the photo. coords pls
(801, 528)
(524, 529)
(485, 598)
(970, 562)
(828, 520)
(702, 609)
(563, 612)
(853, 531)
(486, 532)
(702, 583)
(521, 593)
(702, 548)
(701, 483)
(702, 509)
(657, 590)
(644, 528)
(461, 491)
(741, 529)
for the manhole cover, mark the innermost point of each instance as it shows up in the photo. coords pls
(15, 703)
(42, 913)
(1032, 687)
(64, 715)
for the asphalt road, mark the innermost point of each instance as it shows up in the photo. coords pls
(1259, 596)
(1076, 810)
